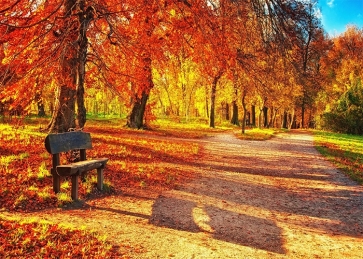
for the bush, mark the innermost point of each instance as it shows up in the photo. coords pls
(347, 116)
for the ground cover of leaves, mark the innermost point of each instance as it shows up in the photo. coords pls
(247, 199)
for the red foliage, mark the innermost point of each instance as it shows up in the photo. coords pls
(37, 240)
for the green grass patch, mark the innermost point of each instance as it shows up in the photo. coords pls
(345, 151)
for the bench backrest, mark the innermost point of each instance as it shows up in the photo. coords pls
(63, 142)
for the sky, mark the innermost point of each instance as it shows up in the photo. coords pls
(337, 14)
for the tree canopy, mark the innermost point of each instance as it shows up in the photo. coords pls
(174, 58)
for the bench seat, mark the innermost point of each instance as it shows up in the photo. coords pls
(81, 167)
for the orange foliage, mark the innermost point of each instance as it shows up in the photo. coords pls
(136, 160)
(36, 240)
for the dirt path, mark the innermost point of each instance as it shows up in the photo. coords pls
(271, 199)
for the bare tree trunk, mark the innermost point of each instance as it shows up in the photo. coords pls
(63, 115)
(212, 103)
(40, 104)
(259, 118)
(273, 117)
(303, 113)
(292, 122)
(213, 100)
(136, 117)
(244, 93)
(253, 114)
(234, 119)
(227, 111)
(270, 123)
(284, 120)
(265, 116)
(206, 106)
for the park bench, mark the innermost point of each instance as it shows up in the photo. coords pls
(56, 144)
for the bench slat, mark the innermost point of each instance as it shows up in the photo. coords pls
(63, 142)
(81, 166)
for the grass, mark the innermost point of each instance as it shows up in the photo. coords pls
(345, 151)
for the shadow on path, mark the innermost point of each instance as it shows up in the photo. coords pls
(248, 188)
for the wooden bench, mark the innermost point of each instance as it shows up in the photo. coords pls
(56, 144)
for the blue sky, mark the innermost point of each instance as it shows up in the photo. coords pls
(337, 14)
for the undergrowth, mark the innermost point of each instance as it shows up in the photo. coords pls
(345, 151)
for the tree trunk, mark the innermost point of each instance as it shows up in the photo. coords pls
(184, 94)
(63, 114)
(40, 104)
(206, 106)
(73, 60)
(284, 120)
(303, 113)
(259, 119)
(212, 104)
(265, 117)
(136, 117)
(227, 111)
(244, 93)
(253, 115)
(234, 119)
(64, 108)
(85, 17)
(213, 100)
(272, 113)
(292, 121)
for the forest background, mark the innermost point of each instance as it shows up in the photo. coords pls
(260, 63)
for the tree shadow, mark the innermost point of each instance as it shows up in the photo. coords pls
(223, 224)
(336, 212)
(245, 230)
(174, 213)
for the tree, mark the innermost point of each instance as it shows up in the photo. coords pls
(344, 73)
(346, 116)
(308, 50)
(72, 33)
(49, 38)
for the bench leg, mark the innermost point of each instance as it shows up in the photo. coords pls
(56, 182)
(74, 193)
(100, 179)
